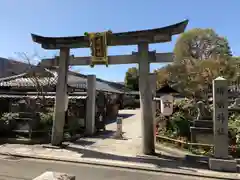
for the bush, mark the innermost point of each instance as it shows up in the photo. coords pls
(234, 127)
(187, 107)
(46, 119)
(8, 116)
(7, 122)
(179, 125)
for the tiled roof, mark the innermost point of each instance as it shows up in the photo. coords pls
(11, 96)
(30, 82)
(74, 80)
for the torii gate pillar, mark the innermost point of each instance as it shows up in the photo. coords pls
(91, 104)
(148, 145)
(60, 101)
(153, 86)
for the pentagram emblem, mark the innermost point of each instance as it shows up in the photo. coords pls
(167, 104)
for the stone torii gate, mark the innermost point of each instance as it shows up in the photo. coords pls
(143, 57)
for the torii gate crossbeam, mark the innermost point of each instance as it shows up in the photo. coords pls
(112, 60)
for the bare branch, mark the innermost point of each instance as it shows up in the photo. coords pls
(42, 81)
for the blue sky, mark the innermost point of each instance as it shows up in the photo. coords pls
(19, 18)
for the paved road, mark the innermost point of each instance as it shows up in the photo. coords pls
(27, 169)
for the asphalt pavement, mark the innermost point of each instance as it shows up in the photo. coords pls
(12, 168)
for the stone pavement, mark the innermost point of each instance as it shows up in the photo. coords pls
(105, 142)
(105, 150)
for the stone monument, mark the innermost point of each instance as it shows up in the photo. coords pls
(221, 160)
(202, 129)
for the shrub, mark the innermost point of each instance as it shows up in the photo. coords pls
(187, 107)
(7, 122)
(179, 125)
(46, 119)
(234, 127)
(8, 116)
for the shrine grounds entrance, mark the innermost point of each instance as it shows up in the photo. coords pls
(98, 42)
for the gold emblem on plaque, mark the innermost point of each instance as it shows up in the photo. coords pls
(98, 45)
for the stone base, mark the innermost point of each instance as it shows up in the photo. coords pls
(201, 135)
(229, 165)
(49, 175)
(204, 138)
(118, 135)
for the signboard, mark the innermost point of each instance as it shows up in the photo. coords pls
(167, 105)
(98, 46)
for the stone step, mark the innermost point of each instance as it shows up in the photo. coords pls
(201, 130)
(26, 115)
(203, 123)
(233, 109)
(201, 135)
(23, 119)
(21, 131)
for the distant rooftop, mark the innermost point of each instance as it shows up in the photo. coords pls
(48, 77)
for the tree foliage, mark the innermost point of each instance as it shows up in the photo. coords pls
(201, 55)
(201, 44)
(131, 79)
(194, 77)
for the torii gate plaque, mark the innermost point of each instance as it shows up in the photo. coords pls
(143, 57)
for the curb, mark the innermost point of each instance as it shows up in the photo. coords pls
(34, 141)
(113, 164)
(21, 141)
(188, 156)
(173, 151)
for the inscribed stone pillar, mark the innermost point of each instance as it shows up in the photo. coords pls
(220, 117)
(61, 91)
(221, 161)
(91, 104)
(148, 145)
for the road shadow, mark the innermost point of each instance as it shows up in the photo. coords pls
(110, 120)
(125, 116)
(84, 140)
(159, 160)
(102, 134)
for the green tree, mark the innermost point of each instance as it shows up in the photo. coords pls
(131, 79)
(193, 77)
(201, 44)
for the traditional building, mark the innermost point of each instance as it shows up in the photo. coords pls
(40, 83)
